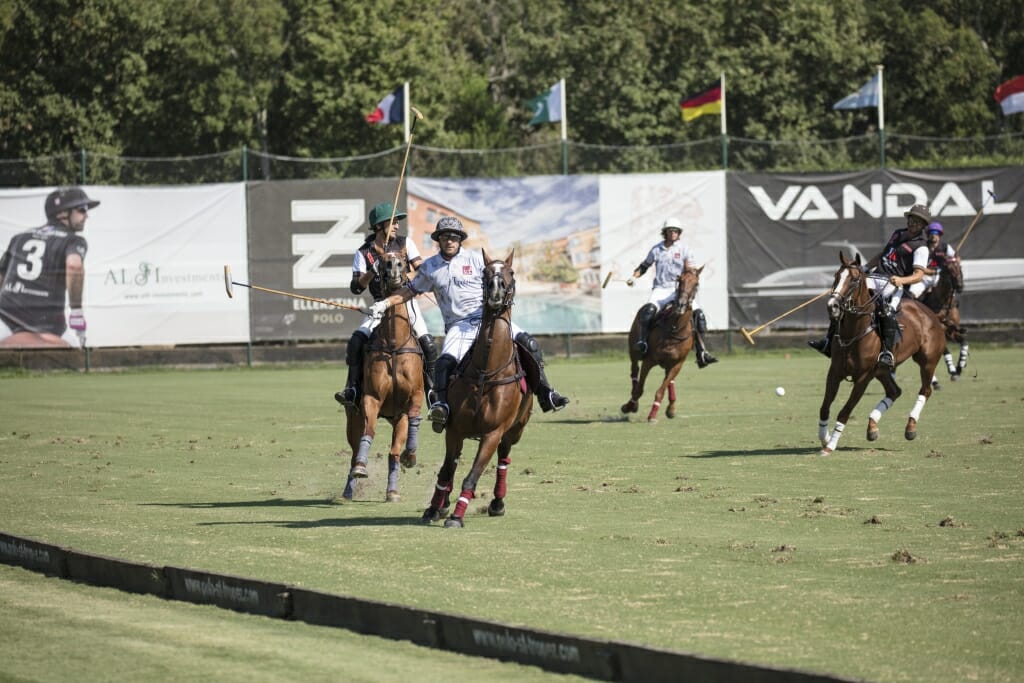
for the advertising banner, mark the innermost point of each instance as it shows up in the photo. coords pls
(153, 264)
(786, 233)
(302, 238)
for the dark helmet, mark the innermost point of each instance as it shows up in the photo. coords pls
(381, 213)
(65, 199)
(919, 211)
(672, 223)
(934, 228)
(449, 224)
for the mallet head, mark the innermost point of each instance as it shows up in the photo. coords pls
(228, 284)
(607, 279)
(416, 112)
(747, 335)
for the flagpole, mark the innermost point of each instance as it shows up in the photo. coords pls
(565, 129)
(881, 117)
(725, 138)
(405, 109)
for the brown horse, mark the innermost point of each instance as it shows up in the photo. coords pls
(943, 299)
(855, 350)
(489, 400)
(669, 342)
(392, 387)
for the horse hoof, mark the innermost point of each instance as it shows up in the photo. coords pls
(392, 497)
(953, 378)
(358, 472)
(825, 451)
(911, 433)
(430, 515)
(936, 386)
(408, 459)
(670, 413)
(872, 430)
(652, 420)
(629, 407)
(496, 508)
(453, 523)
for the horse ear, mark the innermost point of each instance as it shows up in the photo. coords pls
(842, 259)
(856, 258)
(700, 270)
(508, 259)
(487, 261)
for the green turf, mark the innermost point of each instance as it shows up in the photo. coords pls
(721, 532)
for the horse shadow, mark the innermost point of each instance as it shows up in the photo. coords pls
(778, 451)
(330, 522)
(269, 503)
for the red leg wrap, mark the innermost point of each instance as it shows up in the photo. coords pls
(460, 507)
(501, 485)
(672, 391)
(440, 492)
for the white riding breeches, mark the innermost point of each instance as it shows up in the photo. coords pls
(460, 336)
(916, 290)
(662, 296)
(419, 324)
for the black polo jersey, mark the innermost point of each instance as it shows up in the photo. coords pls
(35, 278)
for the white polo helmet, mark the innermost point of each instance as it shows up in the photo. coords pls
(672, 223)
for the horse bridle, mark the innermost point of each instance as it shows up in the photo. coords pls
(845, 303)
(498, 295)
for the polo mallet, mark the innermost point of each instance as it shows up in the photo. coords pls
(417, 116)
(608, 278)
(229, 286)
(970, 227)
(749, 336)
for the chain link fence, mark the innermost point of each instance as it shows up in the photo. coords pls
(723, 152)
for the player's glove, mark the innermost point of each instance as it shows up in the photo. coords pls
(76, 320)
(378, 308)
(629, 282)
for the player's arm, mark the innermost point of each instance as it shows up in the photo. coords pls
(921, 256)
(74, 279)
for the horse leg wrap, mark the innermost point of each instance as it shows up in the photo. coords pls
(363, 454)
(672, 391)
(393, 470)
(880, 409)
(460, 507)
(962, 363)
(915, 412)
(823, 431)
(837, 432)
(413, 438)
(654, 411)
(441, 492)
(501, 483)
(950, 367)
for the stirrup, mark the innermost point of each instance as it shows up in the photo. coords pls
(347, 396)
(705, 359)
(551, 400)
(885, 358)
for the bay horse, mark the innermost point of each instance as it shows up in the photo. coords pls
(669, 342)
(392, 387)
(856, 346)
(489, 400)
(943, 299)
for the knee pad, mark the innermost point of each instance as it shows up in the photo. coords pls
(699, 321)
(528, 342)
(428, 346)
(648, 312)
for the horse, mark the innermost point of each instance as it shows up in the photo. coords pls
(392, 387)
(855, 350)
(489, 400)
(943, 299)
(669, 342)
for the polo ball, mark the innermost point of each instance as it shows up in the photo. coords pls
(780, 391)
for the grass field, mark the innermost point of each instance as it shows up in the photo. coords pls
(720, 532)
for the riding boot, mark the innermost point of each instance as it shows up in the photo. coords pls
(438, 413)
(824, 345)
(888, 329)
(548, 398)
(429, 349)
(644, 319)
(354, 358)
(700, 328)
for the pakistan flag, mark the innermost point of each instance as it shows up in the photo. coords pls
(547, 107)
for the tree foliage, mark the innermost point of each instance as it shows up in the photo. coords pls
(169, 78)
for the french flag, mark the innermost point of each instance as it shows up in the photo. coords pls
(390, 110)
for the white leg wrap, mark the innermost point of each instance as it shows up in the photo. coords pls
(963, 357)
(822, 430)
(836, 433)
(918, 407)
(880, 409)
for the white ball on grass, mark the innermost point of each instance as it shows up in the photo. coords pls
(780, 391)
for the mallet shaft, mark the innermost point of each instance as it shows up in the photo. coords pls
(749, 336)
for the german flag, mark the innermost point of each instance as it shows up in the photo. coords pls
(708, 102)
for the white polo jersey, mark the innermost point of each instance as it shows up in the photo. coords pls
(668, 262)
(457, 285)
